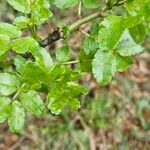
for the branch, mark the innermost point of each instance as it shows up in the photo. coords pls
(54, 36)
(58, 34)
(80, 22)
(71, 62)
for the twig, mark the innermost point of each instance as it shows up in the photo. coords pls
(71, 62)
(18, 143)
(90, 134)
(54, 36)
(89, 18)
(18, 92)
(58, 34)
(79, 10)
(85, 33)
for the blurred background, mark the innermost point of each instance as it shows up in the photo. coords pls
(114, 117)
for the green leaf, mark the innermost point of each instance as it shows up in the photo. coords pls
(85, 61)
(59, 96)
(94, 28)
(110, 32)
(62, 74)
(74, 103)
(32, 102)
(76, 89)
(90, 45)
(19, 62)
(21, 22)
(138, 33)
(24, 44)
(27, 86)
(62, 95)
(40, 12)
(56, 99)
(92, 3)
(4, 103)
(56, 72)
(112, 28)
(127, 46)
(16, 117)
(133, 7)
(104, 67)
(41, 16)
(43, 58)
(4, 44)
(8, 83)
(146, 11)
(123, 63)
(69, 75)
(63, 53)
(10, 30)
(20, 5)
(62, 4)
(131, 21)
(33, 73)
